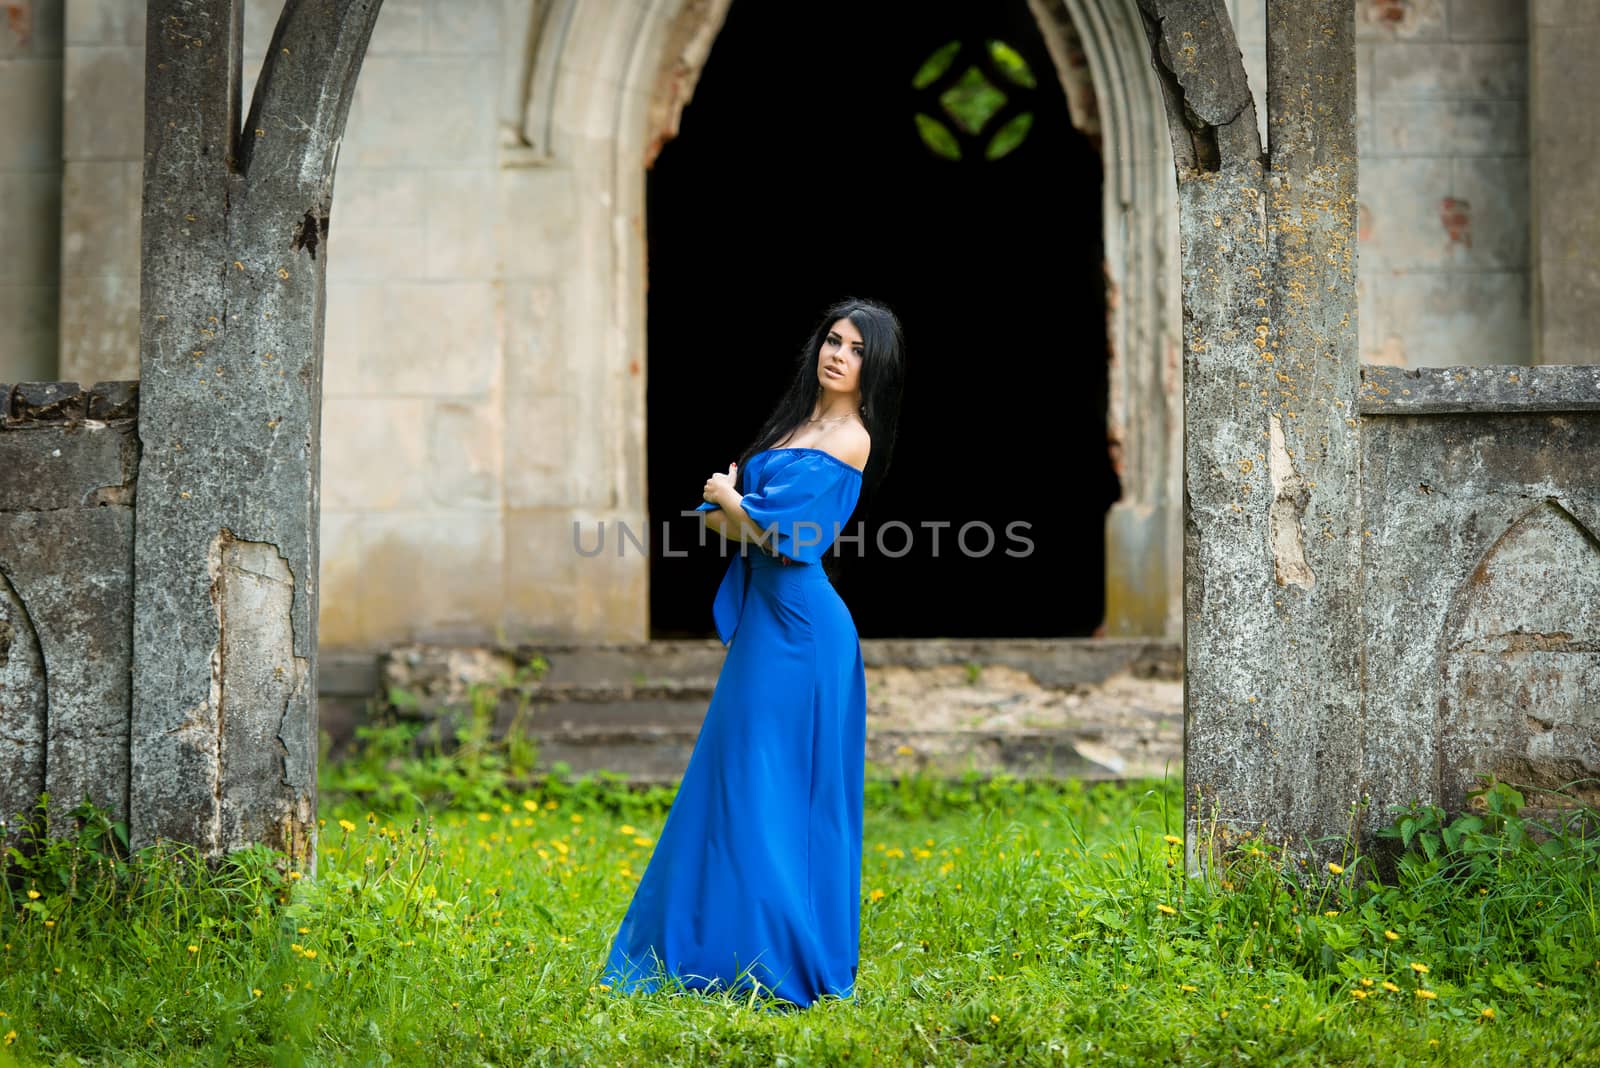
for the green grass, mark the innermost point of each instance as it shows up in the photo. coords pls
(1002, 923)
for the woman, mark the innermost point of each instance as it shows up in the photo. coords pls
(756, 878)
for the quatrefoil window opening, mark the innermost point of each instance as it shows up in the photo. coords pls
(969, 100)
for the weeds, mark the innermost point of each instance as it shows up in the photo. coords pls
(1003, 922)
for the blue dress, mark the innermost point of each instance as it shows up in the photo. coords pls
(757, 872)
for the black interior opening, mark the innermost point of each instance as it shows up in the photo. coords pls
(922, 156)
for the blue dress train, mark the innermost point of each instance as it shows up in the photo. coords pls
(757, 872)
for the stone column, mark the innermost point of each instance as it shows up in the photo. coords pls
(1272, 532)
(235, 244)
(1563, 86)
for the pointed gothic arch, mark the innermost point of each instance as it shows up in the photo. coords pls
(600, 87)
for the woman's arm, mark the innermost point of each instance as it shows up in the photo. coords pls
(732, 522)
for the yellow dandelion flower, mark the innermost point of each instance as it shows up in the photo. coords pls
(347, 825)
(193, 948)
(484, 817)
(876, 895)
(297, 947)
(643, 840)
(947, 867)
(1390, 987)
(1172, 839)
(893, 853)
(1419, 968)
(577, 817)
(303, 930)
(51, 923)
(625, 829)
(922, 854)
(530, 804)
(1426, 995)
(552, 803)
(1366, 982)
(1335, 869)
(1487, 1013)
(993, 1018)
(33, 895)
(903, 750)
(1359, 995)
(1331, 913)
(1190, 988)
(1391, 936)
(311, 954)
(1167, 910)
(11, 1036)
(255, 991)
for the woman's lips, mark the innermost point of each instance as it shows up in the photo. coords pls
(831, 371)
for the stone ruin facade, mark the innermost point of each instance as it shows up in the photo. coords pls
(1470, 624)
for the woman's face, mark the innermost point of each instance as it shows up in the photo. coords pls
(839, 362)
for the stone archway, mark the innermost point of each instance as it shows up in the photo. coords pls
(602, 86)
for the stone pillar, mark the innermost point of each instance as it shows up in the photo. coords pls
(1564, 83)
(1272, 534)
(235, 243)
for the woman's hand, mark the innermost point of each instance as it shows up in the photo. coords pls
(719, 487)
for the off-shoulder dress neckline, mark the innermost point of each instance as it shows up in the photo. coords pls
(819, 452)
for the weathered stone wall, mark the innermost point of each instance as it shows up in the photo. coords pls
(484, 385)
(1442, 128)
(30, 187)
(1481, 580)
(68, 462)
(468, 275)
(102, 153)
(483, 380)
(1565, 83)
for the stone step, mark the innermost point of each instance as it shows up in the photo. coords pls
(636, 708)
(666, 669)
(652, 755)
(658, 753)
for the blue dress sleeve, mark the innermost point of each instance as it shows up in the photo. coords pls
(804, 506)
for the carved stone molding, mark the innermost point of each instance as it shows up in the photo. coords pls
(535, 32)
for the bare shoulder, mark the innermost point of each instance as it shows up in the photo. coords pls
(850, 443)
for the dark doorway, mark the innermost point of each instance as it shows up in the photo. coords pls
(803, 173)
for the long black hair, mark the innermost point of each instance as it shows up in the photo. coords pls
(882, 380)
